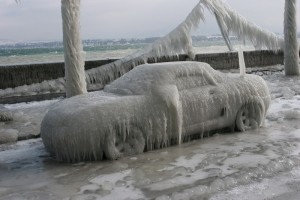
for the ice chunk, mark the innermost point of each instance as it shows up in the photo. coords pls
(292, 114)
(8, 135)
(5, 116)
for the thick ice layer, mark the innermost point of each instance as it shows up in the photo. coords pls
(151, 107)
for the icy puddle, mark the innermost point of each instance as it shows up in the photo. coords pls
(260, 164)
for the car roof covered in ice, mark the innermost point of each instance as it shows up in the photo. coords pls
(184, 75)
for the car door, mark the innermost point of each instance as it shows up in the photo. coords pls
(198, 95)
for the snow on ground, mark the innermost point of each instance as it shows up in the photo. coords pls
(256, 164)
(26, 122)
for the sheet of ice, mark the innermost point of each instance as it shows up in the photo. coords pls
(276, 188)
(188, 163)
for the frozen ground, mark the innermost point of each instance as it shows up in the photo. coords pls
(260, 164)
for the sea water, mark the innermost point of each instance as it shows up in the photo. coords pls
(16, 53)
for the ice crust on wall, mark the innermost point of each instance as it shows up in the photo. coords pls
(152, 107)
(50, 86)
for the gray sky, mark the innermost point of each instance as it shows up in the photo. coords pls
(41, 19)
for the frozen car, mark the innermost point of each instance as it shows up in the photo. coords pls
(153, 106)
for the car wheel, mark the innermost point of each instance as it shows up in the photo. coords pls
(249, 117)
(134, 142)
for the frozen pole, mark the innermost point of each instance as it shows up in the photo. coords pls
(291, 48)
(73, 50)
(242, 64)
(224, 32)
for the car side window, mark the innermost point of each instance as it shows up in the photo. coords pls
(192, 80)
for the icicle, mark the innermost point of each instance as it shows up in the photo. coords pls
(179, 40)
(244, 29)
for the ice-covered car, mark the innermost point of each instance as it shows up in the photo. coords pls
(153, 106)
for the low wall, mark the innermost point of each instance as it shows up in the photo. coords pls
(17, 75)
(13, 76)
(252, 59)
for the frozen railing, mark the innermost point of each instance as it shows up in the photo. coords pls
(18, 75)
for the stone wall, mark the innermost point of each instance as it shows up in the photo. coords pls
(13, 76)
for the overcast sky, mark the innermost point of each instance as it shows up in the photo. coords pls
(102, 19)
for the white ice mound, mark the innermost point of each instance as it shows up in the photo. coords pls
(153, 106)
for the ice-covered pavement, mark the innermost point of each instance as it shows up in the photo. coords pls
(259, 164)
